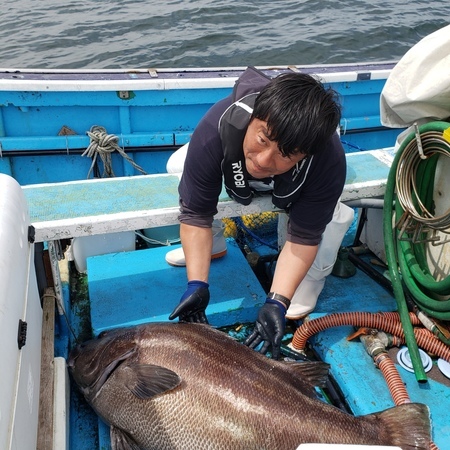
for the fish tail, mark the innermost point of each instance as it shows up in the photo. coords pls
(407, 426)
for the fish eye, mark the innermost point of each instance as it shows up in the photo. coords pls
(108, 332)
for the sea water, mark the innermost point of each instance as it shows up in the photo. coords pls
(101, 34)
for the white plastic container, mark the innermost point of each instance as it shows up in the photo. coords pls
(85, 246)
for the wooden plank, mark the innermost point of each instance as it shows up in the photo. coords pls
(45, 426)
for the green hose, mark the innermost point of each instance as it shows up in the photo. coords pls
(410, 257)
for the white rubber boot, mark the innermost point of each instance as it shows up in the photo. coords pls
(176, 257)
(305, 297)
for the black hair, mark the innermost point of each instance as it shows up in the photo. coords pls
(301, 114)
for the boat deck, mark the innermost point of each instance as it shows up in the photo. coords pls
(361, 383)
(131, 287)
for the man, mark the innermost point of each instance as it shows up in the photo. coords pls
(280, 133)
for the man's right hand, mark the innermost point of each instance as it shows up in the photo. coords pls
(269, 328)
(193, 303)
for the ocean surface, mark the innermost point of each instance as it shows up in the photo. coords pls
(100, 34)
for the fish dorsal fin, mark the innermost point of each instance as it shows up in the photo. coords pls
(313, 372)
(121, 440)
(147, 380)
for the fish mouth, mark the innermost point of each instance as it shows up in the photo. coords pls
(73, 355)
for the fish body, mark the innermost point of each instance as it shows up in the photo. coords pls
(173, 386)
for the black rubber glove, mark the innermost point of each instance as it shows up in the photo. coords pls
(269, 328)
(193, 303)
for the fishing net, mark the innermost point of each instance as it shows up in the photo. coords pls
(256, 232)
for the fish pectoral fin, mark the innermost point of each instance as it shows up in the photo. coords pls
(147, 380)
(121, 440)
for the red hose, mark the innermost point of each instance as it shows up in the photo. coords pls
(388, 322)
(428, 341)
(394, 315)
(393, 379)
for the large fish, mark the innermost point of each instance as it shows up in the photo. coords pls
(190, 386)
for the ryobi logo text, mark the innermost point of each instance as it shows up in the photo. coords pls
(238, 174)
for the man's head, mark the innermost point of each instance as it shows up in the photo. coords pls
(293, 117)
(300, 112)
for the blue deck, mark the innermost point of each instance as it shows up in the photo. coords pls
(135, 287)
(361, 383)
(79, 199)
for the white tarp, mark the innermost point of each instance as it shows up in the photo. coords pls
(418, 88)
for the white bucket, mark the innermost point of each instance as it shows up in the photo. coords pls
(167, 235)
(100, 244)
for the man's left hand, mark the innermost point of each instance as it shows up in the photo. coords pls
(193, 303)
(269, 328)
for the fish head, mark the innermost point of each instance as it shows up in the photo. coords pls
(92, 362)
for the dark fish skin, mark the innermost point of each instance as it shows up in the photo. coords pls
(173, 386)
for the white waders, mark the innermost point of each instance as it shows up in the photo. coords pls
(305, 297)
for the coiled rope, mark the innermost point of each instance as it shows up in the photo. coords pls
(103, 144)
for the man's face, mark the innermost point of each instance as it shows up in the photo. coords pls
(263, 158)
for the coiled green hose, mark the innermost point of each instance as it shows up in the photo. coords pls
(407, 255)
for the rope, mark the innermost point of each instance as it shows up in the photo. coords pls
(103, 144)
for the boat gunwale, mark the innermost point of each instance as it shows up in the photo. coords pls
(53, 80)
